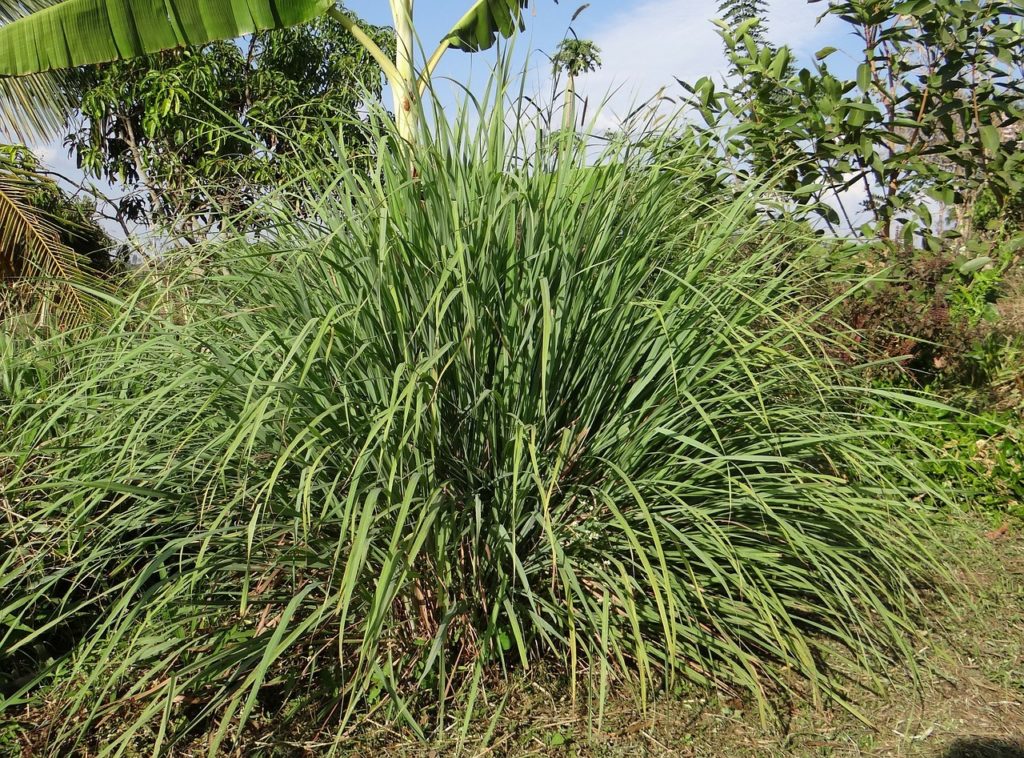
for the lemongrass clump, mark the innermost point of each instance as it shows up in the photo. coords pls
(526, 405)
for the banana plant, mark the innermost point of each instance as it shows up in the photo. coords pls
(82, 32)
(477, 30)
(32, 108)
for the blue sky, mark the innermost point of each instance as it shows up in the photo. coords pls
(645, 44)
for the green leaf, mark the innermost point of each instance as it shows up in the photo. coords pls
(824, 53)
(990, 138)
(555, 739)
(942, 194)
(32, 108)
(779, 63)
(82, 32)
(504, 641)
(806, 189)
(908, 234)
(975, 265)
(864, 76)
(485, 22)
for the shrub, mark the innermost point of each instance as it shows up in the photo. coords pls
(529, 405)
(931, 318)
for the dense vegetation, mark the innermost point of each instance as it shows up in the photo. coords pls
(197, 135)
(50, 247)
(418, 411)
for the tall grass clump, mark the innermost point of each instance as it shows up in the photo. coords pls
(500, 403)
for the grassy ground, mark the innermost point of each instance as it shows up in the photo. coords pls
(970, 702)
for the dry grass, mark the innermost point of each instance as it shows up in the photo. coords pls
(1011, 302)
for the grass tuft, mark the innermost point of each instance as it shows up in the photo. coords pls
(530, 405)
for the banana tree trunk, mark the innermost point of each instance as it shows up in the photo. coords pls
(404, 89)
(400, 73)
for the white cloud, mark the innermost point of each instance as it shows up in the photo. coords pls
(650, 44)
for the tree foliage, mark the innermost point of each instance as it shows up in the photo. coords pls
(920, 121)
(736, 13)
(49, 242)
(199, 134)
(576, 56)
(79, 32)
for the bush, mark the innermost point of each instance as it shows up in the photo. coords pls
(526, 406)
(931, 318)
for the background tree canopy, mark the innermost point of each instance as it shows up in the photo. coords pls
(926, 119)
(197, 134)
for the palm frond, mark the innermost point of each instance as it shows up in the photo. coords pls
(35, 265)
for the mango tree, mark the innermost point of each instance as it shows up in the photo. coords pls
(82, 32)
